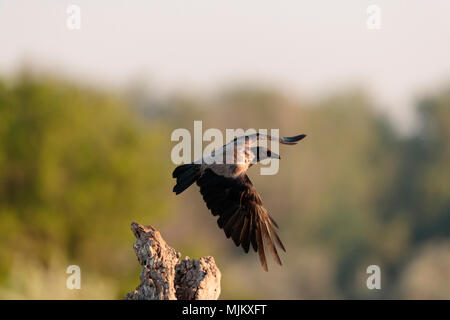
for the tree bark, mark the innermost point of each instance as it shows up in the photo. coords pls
(165, 277)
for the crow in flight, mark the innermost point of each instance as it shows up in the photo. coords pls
(229, 193)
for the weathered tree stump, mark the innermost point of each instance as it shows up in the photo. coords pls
(165, 277)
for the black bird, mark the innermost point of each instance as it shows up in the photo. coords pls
(229, 193)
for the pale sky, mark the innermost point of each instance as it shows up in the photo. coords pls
(307, 47)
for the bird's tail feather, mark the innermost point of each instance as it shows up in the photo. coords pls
(186, 175)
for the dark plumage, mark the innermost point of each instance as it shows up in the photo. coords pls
(230, 195)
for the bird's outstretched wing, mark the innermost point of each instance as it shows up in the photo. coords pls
(241, 214)
(257, 138)
(292, 140)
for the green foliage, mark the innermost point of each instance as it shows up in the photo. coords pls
(78, 165)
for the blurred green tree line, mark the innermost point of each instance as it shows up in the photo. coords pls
(78, 165)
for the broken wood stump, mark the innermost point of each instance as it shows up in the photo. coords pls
(165, 276)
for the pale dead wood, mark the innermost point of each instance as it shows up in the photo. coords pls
(165, 277)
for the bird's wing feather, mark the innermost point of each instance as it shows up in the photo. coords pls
(258, 138)
(241, 213)
(292, 140)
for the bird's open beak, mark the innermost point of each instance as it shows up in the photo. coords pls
(274, 155)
